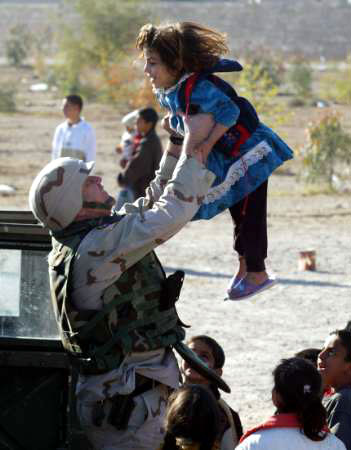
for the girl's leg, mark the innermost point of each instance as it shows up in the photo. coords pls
(250, 235)
(235, 212)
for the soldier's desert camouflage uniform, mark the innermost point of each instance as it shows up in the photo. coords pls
(104, 254)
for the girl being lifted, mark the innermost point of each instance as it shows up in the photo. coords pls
(180, 61)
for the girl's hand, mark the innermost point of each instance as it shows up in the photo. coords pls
(166, 125)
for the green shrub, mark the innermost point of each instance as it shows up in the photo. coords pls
(327, 151)
(18, 45)
(7, 99)
(300, 77)
(261, 90)
(337, 86)
(96, 44)
(268, 64)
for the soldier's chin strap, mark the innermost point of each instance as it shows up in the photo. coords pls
(107, 205)
(197, 364)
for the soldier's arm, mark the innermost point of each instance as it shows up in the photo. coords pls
(119, 246)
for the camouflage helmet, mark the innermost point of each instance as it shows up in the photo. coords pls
(55, 196)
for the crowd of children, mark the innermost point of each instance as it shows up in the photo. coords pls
(311, 396)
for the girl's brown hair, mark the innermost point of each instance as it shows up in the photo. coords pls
(183, 46)
(192, 415)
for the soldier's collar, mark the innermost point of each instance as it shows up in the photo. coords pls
(86, 225)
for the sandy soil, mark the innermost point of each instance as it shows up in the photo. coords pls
(299, 312)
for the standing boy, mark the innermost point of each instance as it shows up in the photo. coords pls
(74, 137)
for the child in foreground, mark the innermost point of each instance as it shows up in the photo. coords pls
(300, 420)
(334, 365)
(180, 60)
(192, 420)
(208, 349)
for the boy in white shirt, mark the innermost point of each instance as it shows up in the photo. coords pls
(74, 137)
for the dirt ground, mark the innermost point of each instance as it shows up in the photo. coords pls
(299, 312)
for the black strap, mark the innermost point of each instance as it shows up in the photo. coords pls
(123, 405)
(86, 225)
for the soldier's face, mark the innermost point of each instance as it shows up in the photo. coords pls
(93, 190)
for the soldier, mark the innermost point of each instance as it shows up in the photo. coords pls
(114, 306)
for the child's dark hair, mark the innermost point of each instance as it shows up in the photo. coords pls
(75, 100)
(183, 46)
(192, 414)
(311, 354)
(345, 339)
(299, 385)
(149, 115)
(217, 350)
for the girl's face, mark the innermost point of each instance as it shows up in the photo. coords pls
(159, 74)
(335, 371)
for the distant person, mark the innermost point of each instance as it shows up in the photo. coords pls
(208, 349)
(300, 419)
(74, 137)
(192, 420)
(334, 365)
(129, 139)
(127, 148)
(181, 60)
(140, 170)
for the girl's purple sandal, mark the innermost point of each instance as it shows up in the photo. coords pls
(244, 289)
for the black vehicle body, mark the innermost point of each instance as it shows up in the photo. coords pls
(37, 407)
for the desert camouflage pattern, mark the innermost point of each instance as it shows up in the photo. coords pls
(133, 319)
(105, 252)
(55, 196)
(145, 428)
(103, 270)
(109, 250)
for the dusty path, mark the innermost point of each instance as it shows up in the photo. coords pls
(299, 312)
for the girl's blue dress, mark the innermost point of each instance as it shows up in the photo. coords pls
(236, 177)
